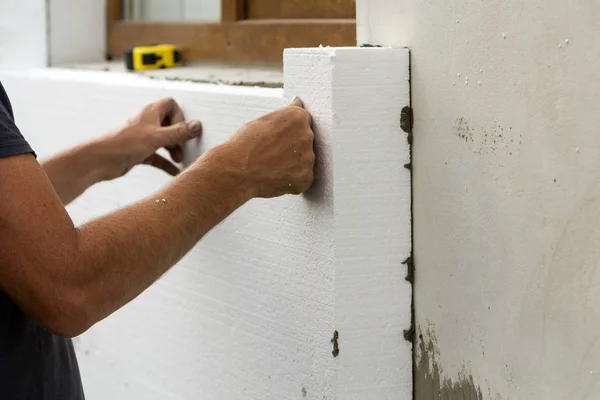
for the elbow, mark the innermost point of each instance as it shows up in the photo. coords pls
(68, 328)
(67, 331)
(53, 293)
(68, 318)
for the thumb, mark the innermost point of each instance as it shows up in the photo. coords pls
(179, 133)
(296, 102)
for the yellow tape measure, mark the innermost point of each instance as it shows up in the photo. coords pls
(144, 58)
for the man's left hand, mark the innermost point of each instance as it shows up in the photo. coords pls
(158, 125)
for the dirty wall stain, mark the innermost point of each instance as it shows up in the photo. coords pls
(488, 139)
(430, 382)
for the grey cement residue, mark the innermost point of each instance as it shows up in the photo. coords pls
(410, 270)
(334, 341)
(489, 139)
(409, 334)
(463, 130)
(430, 381)
(406, 121)
(263, 84)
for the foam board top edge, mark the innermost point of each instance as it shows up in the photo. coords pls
(113, 78)
(333, 50)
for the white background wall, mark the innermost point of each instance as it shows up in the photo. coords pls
(18, 49)
(77, 31)
(506, 189)
(57, 31)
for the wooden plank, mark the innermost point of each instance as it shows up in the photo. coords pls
(233, 10)
(114, 12)
(250, 41)
(276, 9)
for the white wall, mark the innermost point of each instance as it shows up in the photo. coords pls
(23, 38)
(38, 33)
(77, 32)
(251, 312)
(506, 189)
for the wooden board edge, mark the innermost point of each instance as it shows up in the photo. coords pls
(290, 9)
(233, 10)
(255, 41)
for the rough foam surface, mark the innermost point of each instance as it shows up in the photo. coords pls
(250, 313)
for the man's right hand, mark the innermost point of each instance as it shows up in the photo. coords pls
(274, 154)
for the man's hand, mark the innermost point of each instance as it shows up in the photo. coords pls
(275, 152)
(158, 125)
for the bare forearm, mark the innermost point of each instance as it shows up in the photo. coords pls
(122, 254)
(68, 279)
(73, 171)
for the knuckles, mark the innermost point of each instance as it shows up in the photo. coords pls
(298, 114)
(285, 141)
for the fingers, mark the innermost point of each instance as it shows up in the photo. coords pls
(167, 108)
(177, 134)
(296, 102)
(176, 153)
(174, 131)
(305, 144)
(158, 161)
(175, 116)
(285, 141)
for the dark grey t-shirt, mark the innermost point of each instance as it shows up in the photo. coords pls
(34, 363)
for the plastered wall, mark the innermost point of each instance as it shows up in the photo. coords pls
(506, 193)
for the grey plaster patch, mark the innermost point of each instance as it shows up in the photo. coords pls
(430, 381)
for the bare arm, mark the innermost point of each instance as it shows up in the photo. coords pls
(160, 124)
(73, 171)
(67, 279)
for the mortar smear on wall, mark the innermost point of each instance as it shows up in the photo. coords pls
(430, 382)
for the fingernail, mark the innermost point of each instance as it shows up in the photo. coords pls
(195, 126)
(294, 99)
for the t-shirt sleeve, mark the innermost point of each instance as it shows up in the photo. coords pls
(12, 143)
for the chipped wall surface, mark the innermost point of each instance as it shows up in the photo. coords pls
(506, 157)
(289, 298)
